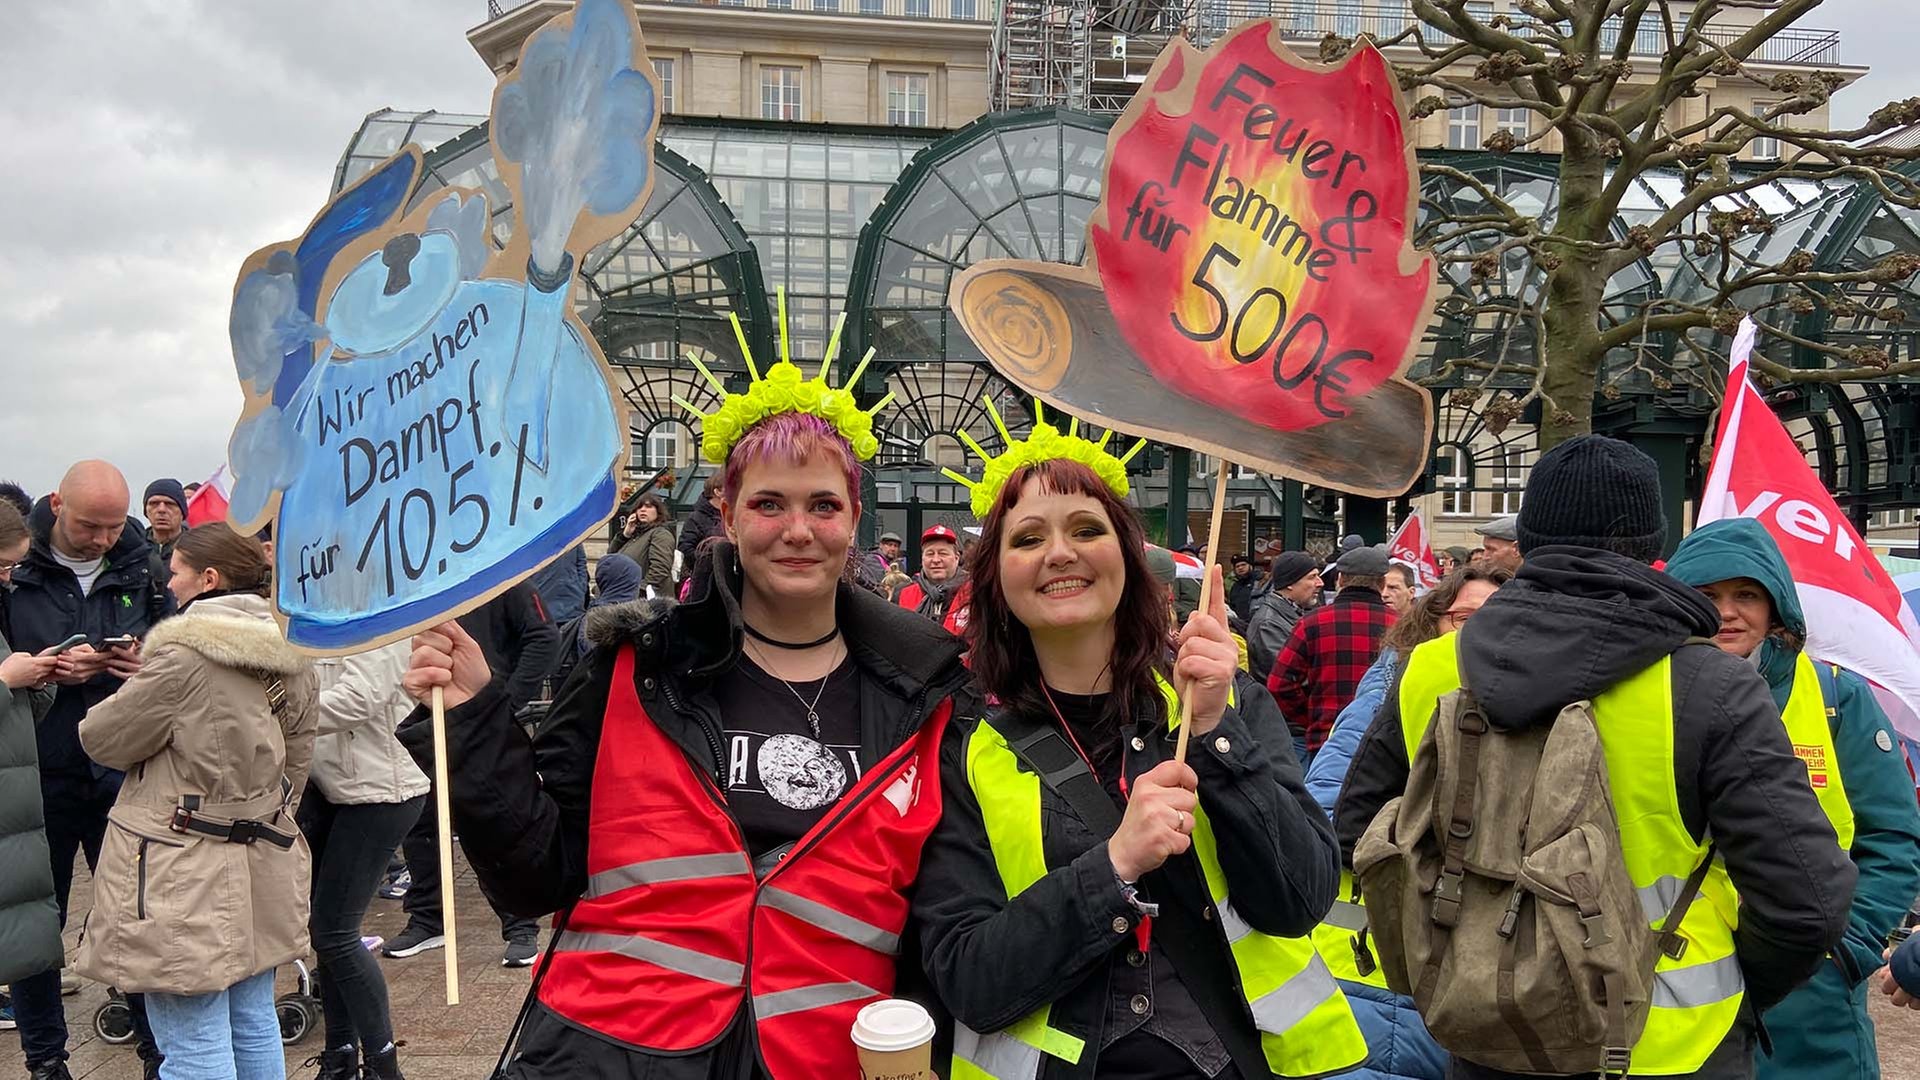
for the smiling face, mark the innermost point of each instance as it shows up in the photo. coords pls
(792, 524)
(939, 560)
(1746, 614)
(1061, 566)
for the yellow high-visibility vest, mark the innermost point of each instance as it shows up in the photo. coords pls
(1306, 1027)
(1696, 997)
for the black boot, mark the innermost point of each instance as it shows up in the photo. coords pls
(382, 1065)
(52, 1070)
(341, 1064)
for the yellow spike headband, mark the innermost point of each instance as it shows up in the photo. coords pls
(784, 389)
(1045, 443)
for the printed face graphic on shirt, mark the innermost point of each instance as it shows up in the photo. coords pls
(795, 771)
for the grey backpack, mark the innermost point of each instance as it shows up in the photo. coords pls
(1499, 898)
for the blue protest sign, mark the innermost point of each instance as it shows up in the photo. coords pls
(428, 420)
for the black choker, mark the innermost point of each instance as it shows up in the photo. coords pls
(778, 644)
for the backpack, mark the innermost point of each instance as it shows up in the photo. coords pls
(1498, 896)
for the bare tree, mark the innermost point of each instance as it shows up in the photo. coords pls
(1568, 63)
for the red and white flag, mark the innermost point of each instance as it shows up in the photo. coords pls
(1411, 546)
(209, 501)
(1855, 614)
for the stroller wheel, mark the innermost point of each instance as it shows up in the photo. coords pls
(113, 1021)
(297, 1016)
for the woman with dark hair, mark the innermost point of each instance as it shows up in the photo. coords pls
(202, 883)
(1398, 1046)
(648, 540)
(726, 803)
(1089, 906)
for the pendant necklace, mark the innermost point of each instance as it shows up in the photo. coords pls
(812, 707)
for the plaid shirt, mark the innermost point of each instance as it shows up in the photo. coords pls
(1320, 666)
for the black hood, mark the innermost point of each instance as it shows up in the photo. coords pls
(1574, 622)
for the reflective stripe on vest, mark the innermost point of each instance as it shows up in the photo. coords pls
(1807, 718)
(1342, 934)
(656, 956)
(1305, 1025)
(1697, 997)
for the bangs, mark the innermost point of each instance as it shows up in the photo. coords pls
(792, 438)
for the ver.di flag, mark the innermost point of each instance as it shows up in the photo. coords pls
(1411, 545)
(1855, 614)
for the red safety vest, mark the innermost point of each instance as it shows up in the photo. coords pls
(674, 934)
(955, 620)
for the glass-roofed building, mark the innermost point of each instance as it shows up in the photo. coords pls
(872, 213)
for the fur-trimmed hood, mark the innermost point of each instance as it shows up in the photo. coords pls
(236, 630)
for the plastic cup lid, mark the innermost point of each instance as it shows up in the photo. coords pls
(892, 1024)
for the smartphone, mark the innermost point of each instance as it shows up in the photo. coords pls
(1898, 935)
(124, 641)
(77, 639)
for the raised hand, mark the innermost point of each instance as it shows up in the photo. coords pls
(1205, 665)
(446, 656)
(1159, 820)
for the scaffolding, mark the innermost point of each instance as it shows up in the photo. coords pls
(1086, 54)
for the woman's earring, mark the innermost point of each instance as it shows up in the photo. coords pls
(736, 562)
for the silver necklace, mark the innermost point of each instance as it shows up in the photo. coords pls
(812, 707)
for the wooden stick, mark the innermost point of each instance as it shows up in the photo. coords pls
(1206, 592)
(452, 949)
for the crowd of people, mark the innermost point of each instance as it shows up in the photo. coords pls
(759, 778)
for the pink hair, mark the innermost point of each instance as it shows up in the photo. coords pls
(794, 438)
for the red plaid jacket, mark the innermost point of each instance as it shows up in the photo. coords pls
(1320, 666)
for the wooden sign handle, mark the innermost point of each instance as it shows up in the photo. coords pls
(452, 949)
(1206, 593)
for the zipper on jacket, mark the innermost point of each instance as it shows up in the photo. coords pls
(713, 740)
(140, 893)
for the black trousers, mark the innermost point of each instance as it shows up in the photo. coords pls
(422, 903)
(351, 844)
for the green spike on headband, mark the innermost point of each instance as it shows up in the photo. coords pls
(782, 390)
(1045, 443)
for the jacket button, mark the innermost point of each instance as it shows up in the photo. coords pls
(646, 639)
(1206, 913)
(1221, 744)
(1139, 743)
(1139, 1004)
(647, 683)
(1136, 958)
(1120, 925)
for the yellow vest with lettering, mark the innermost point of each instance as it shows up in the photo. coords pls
(1306, 1027)
(1696, 998)
(1809, 722)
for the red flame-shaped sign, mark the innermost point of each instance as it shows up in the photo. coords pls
(1280, 192)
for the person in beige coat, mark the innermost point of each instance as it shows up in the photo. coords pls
(202, 884)
(363, 795)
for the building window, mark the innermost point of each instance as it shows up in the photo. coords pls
(1456, 496)
(780, 5)
(869, 7)
(964, 9)
(1509, 476)
(906, 99)
(1346, 21)
(1766, 147)
(1463, 128)
(919, 9)
(1517, 122)
(664, 69)
(780, 93)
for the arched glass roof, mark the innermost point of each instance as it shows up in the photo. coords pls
(1011, 185)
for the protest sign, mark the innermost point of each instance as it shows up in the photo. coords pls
(1411, 547)
(427, 418)
(1252, 290)
(1855, 613)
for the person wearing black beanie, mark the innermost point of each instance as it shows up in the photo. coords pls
(1696, 730)
(1595, 492)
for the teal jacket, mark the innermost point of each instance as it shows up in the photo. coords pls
(1822, 1029)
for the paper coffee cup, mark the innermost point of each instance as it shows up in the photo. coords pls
(894, 1041)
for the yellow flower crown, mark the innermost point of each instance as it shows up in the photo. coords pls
(784, 389)
(1045, 443)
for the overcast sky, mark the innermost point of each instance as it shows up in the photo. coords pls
(152, 146)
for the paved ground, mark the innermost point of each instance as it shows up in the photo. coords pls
(460, 1042)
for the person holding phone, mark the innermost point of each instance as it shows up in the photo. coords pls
(86, 571)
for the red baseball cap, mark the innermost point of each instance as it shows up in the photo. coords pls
(939, 532)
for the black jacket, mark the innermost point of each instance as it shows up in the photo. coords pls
(1068, 937)
(521, 643)
(46, 608)
(702, 521)
(521, 807)
(1575, 622)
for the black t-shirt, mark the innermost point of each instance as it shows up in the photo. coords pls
(780, 777)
